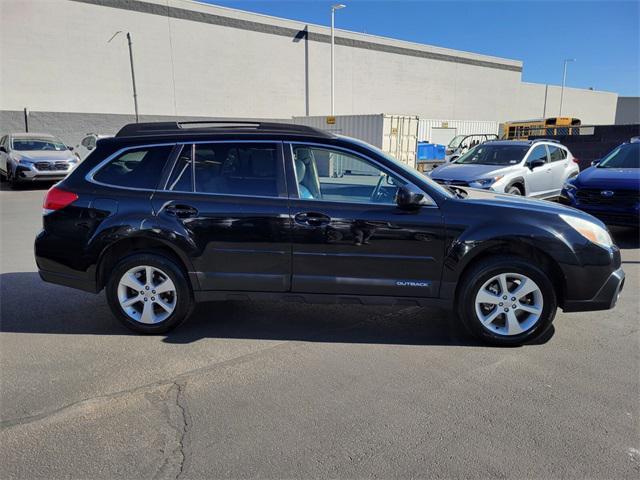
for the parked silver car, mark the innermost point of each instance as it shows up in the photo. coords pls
(534, 168)
(28, 157)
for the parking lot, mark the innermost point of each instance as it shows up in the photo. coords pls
(279, 390)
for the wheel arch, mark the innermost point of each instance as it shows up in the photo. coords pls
(519, 248)
(114, 252)
(518, 181)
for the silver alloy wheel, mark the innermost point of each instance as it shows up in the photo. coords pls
(147, 294)
(509, 304)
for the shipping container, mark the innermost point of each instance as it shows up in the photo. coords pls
(441, 132)
(396, 135)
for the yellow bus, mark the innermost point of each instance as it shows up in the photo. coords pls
(523, 129)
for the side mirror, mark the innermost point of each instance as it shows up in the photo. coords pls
(69, 147)
(409, 197)
(3, 149)
(595, 162)
(538, 162)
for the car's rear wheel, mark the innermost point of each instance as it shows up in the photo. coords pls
(507, 301)
(149, 293)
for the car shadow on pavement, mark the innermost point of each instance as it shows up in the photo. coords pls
(60, 310)
(43, 186)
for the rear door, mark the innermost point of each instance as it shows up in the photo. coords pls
(350, 237)
(538, 179)
(558, 162)
(227, 203)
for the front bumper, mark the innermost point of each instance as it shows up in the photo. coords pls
(29, 173)
(604, 299)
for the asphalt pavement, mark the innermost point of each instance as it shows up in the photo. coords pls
(280, 390)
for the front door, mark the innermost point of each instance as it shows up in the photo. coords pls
(227, 201)
(539, 178)
(350, 237)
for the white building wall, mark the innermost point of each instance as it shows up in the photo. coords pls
(206, 67)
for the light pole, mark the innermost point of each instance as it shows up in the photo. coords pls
(133, 73)
(333, 15)
(564, 79)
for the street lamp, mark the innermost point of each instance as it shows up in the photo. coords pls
(333, 15)
(564, 79)
(133, 73)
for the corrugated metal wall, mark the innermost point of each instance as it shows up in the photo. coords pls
(455, 127)
(393, 134)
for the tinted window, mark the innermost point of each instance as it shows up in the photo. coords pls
(250, 169)
(556, 153)
(181, 178)
(324, 174)
(137, 168)
(538, 153)
(494, 154)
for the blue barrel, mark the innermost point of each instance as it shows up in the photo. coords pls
(439, 152)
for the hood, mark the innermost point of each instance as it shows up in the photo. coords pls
(488, 197)
(609, 178)
(42, 155)
(468, 173)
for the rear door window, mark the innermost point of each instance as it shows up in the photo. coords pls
(251, 169)
(557, 154)
(135, 168)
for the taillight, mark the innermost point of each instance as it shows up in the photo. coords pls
(57, 199)
(575, 160)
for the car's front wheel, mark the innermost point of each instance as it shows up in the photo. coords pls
(149, 293)
(507, 301)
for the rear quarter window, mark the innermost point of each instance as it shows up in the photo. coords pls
(135, 168)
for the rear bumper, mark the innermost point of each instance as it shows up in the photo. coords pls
(68, 280)
(604, 299)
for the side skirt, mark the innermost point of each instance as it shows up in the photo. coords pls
(215, 295)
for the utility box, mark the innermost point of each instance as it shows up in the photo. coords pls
(396, 135)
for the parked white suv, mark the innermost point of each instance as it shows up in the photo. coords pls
(88, 144)
(534, 168)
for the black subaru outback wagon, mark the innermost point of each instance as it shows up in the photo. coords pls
(164, 215)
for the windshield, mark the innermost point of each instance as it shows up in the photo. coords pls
(494, 155)
(456, 141)
(625, 156)
(33, 143)
(411, 172)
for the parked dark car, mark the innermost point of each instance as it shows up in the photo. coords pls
(165, 215)
(610, 188)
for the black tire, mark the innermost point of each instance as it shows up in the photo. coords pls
(184, 302)
(11, 181)
(482, 272)
(514, 190)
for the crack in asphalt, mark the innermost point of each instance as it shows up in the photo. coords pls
(183, 377)
(177, 418)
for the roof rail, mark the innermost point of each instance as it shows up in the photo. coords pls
(214, 126)
(545, 140)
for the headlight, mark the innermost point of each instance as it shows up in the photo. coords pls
(485, 182)
(589, 230)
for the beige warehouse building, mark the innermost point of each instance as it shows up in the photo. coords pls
(199, 60)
